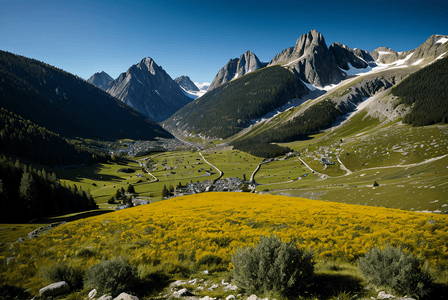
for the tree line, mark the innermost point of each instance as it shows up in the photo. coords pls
(426, 91)
(27, 193)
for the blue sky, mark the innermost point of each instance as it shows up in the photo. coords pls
(197, 38)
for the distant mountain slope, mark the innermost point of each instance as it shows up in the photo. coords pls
(66, 104)
(149, 89)
(311, 60)
(426, 92)
(19, 137)
(227, 109)
(100, 80)
(248, 62)
(186, 83)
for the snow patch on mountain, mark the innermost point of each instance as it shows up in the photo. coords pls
(442, 40)
(417, 62)
(352, 71)
(193, 94)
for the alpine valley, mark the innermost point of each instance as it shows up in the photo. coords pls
(316, 125)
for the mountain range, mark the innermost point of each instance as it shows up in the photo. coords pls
(244, 94)
(68, 105)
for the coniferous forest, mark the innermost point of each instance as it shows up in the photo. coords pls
(427, 92)
(20, 137)
(229, 108)
(314, 119)
(27, 193)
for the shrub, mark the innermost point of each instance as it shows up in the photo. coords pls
(394, 268)
(73, 275)
(111, 276)
(272, 266)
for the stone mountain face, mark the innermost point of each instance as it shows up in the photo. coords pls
(100, 80)
(344, 56)
(311, 60)
(150, 90)
(385, 55)
(186, 83)
(434, 47)
(248, 62)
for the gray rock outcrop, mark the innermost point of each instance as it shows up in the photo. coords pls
(186, 83)
(432, 48)
(100, 80)
(235, 68)
(363, 89)
(311, 60)
(124, 296)
(385, 55)
(365, 55)
(183, 293)
(54, 289)
(147, 88)
(344, 56)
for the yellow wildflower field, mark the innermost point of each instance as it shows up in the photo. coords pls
(211, 226)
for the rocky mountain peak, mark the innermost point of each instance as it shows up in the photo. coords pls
(186, 83)
(310, 42)
(237, 67)
(149, 89)
(100, 80)
(311, 60)
(148, 64)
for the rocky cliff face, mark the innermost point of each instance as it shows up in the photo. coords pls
(344, 56)
(434, 47)
(311, 60)
(100, 80)
(150, 90)
(386, 55)
(186, 83)
(248, 62)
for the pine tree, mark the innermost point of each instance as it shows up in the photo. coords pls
(164, 191)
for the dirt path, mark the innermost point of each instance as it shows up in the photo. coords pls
(343, 167)
(221, 173)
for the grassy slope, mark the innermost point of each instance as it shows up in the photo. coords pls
(218, 223)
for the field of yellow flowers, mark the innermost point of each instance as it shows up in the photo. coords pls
(205, 230)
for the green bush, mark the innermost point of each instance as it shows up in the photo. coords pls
(392, 267)
(73, 275)
(272, 266)
(111, 276)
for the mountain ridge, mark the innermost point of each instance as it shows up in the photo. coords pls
(67, 105)
(149, 89)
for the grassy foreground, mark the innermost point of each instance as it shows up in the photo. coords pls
(185, 235)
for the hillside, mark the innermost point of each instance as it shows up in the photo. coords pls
(426, 92)
(19, 137)
(28, 194)
(182, 237)
(66, 104)
(229, 108)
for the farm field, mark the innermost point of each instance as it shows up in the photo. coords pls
(201, 232)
